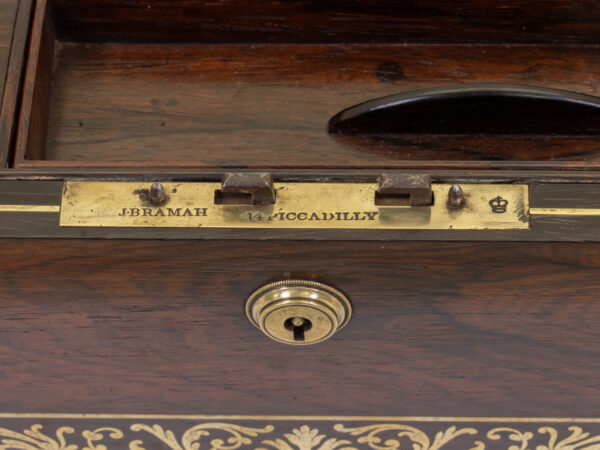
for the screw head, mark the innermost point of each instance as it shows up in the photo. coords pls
(456, 197)
(157, 194)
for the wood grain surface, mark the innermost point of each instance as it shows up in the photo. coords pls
(130, 97)
(469, 329)
(115, 105)
(515, 21)
(158, 327)
(8, 10)
(14, 24)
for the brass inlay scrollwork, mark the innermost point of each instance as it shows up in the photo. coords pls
(239, 436)
(370, 435)
(34, 439)
(520, 437)
(228, 436)
(305, 438)
(98, 435)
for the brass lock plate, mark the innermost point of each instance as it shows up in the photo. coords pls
(298, 312)
(301, 205)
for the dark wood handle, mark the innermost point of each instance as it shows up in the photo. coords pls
(494, 109)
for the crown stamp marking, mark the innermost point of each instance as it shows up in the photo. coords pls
(498, 205)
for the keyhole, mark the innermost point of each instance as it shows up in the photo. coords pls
(299, 325)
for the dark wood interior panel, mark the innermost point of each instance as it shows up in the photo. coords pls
(467, 329)
(516, 21)
(8, 13)
(135, 97)
(37, 89)
(268, 105)
(14, 31)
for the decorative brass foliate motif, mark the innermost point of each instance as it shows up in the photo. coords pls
(34, 439)
(98, 435)
(306, 438)
(239, 436)
(228, 436)
(371, 436)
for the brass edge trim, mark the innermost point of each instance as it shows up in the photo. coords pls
(30, 208)
(294, 418)
(564, 211)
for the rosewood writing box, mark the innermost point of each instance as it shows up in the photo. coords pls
(299, 224)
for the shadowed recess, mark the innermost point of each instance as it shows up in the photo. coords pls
(491, 109)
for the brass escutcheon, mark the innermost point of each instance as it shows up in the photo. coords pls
(298, 312)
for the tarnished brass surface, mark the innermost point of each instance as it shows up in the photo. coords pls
(298, 312)
(298, 205)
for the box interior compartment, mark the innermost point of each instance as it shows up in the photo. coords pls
(195, 84)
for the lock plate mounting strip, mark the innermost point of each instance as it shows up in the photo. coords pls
(298, 205)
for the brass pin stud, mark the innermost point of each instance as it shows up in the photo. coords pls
(456, 197)
(157, 194)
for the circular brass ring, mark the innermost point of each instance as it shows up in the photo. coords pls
(298, 312)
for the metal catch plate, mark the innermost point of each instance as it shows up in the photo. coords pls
(298, 205)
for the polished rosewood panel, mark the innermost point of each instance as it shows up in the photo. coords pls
(455, 329)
